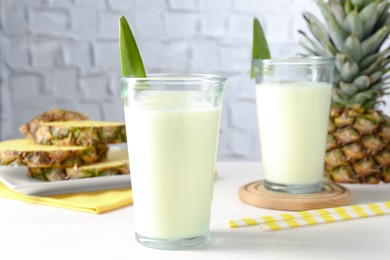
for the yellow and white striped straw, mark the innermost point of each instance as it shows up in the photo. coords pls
(313, 217)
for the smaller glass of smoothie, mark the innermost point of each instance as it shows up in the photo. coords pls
(172, 126)
(293, 100)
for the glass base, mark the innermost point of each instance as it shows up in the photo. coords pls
(294, 189)
(173, 244)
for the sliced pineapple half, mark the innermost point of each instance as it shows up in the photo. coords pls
(84, 133)
(49, 116)
(117, 164)
(24, 152)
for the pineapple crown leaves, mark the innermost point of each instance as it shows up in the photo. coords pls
(353, 33)
(131, 61)
(260, 48)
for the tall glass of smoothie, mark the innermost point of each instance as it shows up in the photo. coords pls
(293, 100)
(172, 129)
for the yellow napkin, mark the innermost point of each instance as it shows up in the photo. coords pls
(92, 202)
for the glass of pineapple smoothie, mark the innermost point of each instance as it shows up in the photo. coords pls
(172, 126)
(293, 100)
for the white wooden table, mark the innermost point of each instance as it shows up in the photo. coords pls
(30, 231)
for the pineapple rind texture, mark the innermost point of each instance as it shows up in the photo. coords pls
(364, 159)
(21, 152)
(358, 143)
(87, 133)
(28, 129)
(117, 164)
(55, 174)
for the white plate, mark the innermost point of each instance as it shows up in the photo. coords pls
(16, 179)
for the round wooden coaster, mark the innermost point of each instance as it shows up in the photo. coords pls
(332, 195)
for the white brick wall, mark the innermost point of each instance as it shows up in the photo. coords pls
(64, 53)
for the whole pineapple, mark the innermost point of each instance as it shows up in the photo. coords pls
(358, 145)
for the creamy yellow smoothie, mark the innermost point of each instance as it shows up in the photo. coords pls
(293, 118)
(172, 154)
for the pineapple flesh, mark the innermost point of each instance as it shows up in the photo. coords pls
(84, 133)
(23, 152)
(116, 164)
(358, 143)
(28, 129)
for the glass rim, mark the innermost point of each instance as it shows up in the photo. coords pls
(173, 78)
(309, 61)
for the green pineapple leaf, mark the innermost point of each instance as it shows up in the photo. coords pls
(383, 15)
(319, 31)
(315, 46)
(358, 3)
(353, 24)
(348, 6)
(338, 11)
(131, 61)
(372, 43)
(353, 47)
(260, 48)
(369, 16)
